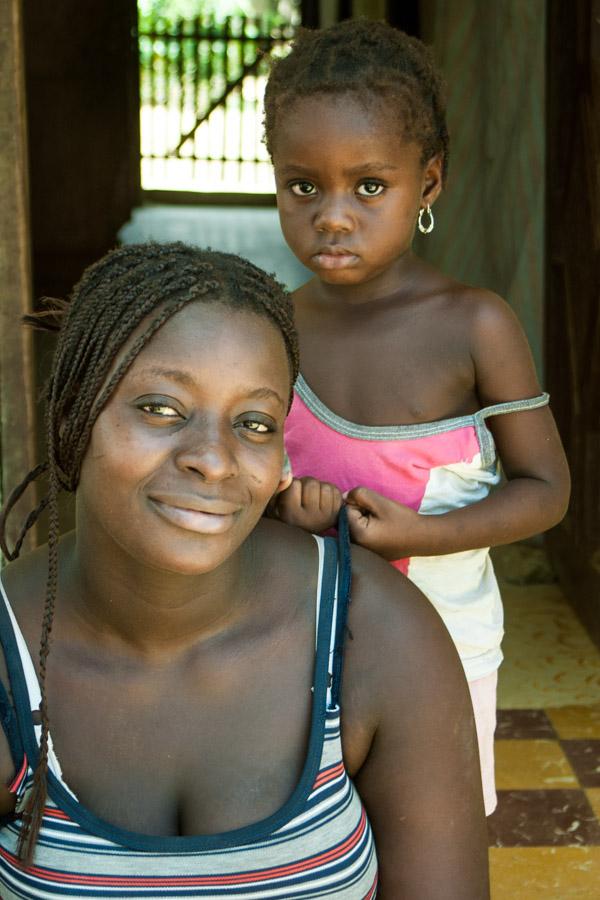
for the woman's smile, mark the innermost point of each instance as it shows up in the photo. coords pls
(194, 513)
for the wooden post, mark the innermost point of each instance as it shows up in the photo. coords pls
(16, 367)
(573, 289)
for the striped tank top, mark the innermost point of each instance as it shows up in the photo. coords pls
(319, 844)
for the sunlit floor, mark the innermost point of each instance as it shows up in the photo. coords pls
(545, 834)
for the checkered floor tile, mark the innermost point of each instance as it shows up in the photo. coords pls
(545, 833)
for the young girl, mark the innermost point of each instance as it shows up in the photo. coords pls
(413, 386)
(181, 735)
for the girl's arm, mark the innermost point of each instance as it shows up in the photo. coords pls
(420, 781)
(534, 496)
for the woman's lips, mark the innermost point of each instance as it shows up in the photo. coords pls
(334, 259)
(201, 521)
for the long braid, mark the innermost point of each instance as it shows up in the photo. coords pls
(33, 516)
(36, 800)
(113, 300)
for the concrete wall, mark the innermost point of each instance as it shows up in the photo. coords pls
(490, 220)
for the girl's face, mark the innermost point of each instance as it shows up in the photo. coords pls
(349, 189)
(189, 449)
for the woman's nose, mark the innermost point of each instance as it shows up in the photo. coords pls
(334, 216)
(208, 453)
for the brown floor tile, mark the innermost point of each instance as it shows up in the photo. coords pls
(584, 757)
(524, 723)
(532, 765)
(543, 818)
(545, 873)
(576, 722)
(593, 795)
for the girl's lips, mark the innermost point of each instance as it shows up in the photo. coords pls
(196, 520)
(326, 260)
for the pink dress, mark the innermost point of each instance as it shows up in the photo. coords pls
(432, 467)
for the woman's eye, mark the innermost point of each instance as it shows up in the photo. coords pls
(161, 410)
(256, 427)
(370, 189)
(303, 188)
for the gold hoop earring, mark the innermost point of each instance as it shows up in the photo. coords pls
(426, 229)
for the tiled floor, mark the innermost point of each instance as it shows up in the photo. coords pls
(545, 834)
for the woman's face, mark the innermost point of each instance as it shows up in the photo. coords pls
(188, 451)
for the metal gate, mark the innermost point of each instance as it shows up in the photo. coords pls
(202, 83)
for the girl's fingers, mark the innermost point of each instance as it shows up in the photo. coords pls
(311, 493)
(293, 495)
(364, 498)
(358, 524)
(331, 498)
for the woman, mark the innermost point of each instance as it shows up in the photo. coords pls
(182, 736)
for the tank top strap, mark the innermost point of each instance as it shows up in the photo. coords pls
(24, 686)
(500, 409)
(333, 595)
(486, 441)
(10, 727)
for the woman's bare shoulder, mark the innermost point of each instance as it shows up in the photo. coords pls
(384, 598)
(24, 579)
(399, 645)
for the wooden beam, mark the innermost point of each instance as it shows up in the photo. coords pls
(16, 363)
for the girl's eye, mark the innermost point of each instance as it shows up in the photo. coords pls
(161, 410)
(303, 188)
(370, 189)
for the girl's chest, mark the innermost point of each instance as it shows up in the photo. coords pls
(400, 375)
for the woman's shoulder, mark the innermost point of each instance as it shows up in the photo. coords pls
(391, 610)
(386, 609)
(400, 648)
(24, 581)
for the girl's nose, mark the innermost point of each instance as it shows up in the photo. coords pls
(334, 216)
(209, 455)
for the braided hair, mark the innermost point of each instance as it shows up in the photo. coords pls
(369, 60)
(113, 298)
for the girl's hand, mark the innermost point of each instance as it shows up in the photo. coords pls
(382, 525)
(309, 504)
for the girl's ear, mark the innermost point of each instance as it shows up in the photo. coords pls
(431, 184)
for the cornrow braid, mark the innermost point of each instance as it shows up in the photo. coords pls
(130, 286)
(369, 60)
